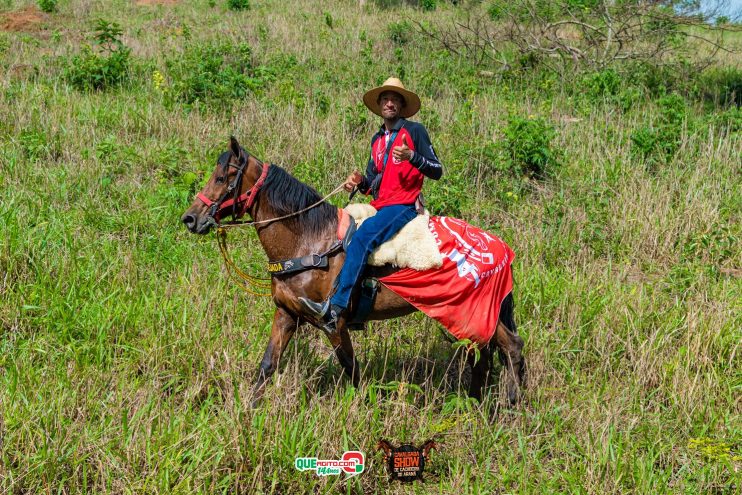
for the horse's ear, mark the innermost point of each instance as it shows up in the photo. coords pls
(385, 446)
(234, 146)
(430, 444)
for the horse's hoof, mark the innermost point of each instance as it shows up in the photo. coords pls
(513, 395)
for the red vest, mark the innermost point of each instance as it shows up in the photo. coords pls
(401, 182)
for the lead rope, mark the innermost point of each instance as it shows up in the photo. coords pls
(236, 274)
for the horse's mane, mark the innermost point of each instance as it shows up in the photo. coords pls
(287, 194)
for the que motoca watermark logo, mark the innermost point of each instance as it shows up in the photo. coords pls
(352, 463)
(406, 462)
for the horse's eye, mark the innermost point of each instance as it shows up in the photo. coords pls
(220, 179)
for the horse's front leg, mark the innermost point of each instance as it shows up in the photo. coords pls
(284, 326)
(343, 347)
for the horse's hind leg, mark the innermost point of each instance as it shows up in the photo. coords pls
(343, 347)
(510, 347)
(284, 326)
(480, 371)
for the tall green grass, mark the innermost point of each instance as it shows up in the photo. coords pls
(127, 358)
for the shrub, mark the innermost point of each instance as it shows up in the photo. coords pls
(730, 119)
(90, 71)
(400, 32)
(524, 12)
(644, 141)
(355, 119)
(528, 146)
(661, 141)
(34, 144)
(428, 5)
(105, 67)
(451, 197)
(722, 86)
(497, 10)
(48, 6)
(217, 71)
(601, 84)
(238, 4)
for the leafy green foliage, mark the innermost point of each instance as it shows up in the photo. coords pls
(721, 86)
(730, 120)
(456, 404)
(716, 245)
(48, 6)
(400, 32)
(497, 10)
(329, 21)
(602, 84)
(215, 72)
(4, 43)
(36, 144)
(428, 5)
(661, 141)
(355, 118)
(104, 67)
(238, 4)
(528, 146)
(522, 11)
(451, 196)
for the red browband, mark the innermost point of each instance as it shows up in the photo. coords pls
(248, 197)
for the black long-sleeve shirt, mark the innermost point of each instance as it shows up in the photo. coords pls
(423, 159)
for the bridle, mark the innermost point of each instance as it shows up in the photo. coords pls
(246, 199)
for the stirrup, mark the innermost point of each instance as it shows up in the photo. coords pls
(326, 314)
(316, 309)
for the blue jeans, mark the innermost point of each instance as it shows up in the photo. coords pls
(372, 233)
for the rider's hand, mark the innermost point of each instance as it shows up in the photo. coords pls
(402, 153)
(353, 180)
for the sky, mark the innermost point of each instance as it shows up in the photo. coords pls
(731, 8)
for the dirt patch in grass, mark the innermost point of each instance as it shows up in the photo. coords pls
(28, 19)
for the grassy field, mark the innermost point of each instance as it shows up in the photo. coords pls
(127, 357)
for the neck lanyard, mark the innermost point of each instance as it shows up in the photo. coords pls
(392, 137)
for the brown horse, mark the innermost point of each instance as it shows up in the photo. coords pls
(243, 184)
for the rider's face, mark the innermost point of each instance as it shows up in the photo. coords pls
(390, 104)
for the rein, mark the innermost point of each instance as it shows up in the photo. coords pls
(236, 223)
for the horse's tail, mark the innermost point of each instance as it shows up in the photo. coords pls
(507, 308)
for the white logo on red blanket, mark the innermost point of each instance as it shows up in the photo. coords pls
(472, 252)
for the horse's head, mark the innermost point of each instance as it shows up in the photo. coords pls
(230, 190)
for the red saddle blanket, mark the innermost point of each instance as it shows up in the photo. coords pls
(465, 294)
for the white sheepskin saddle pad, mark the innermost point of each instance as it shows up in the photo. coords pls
(412, 247)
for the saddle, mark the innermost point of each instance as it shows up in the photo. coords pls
(412, 247)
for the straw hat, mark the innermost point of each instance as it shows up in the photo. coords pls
(412, 101)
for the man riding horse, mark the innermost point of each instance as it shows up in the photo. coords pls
(470, 293)
(395, 180)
